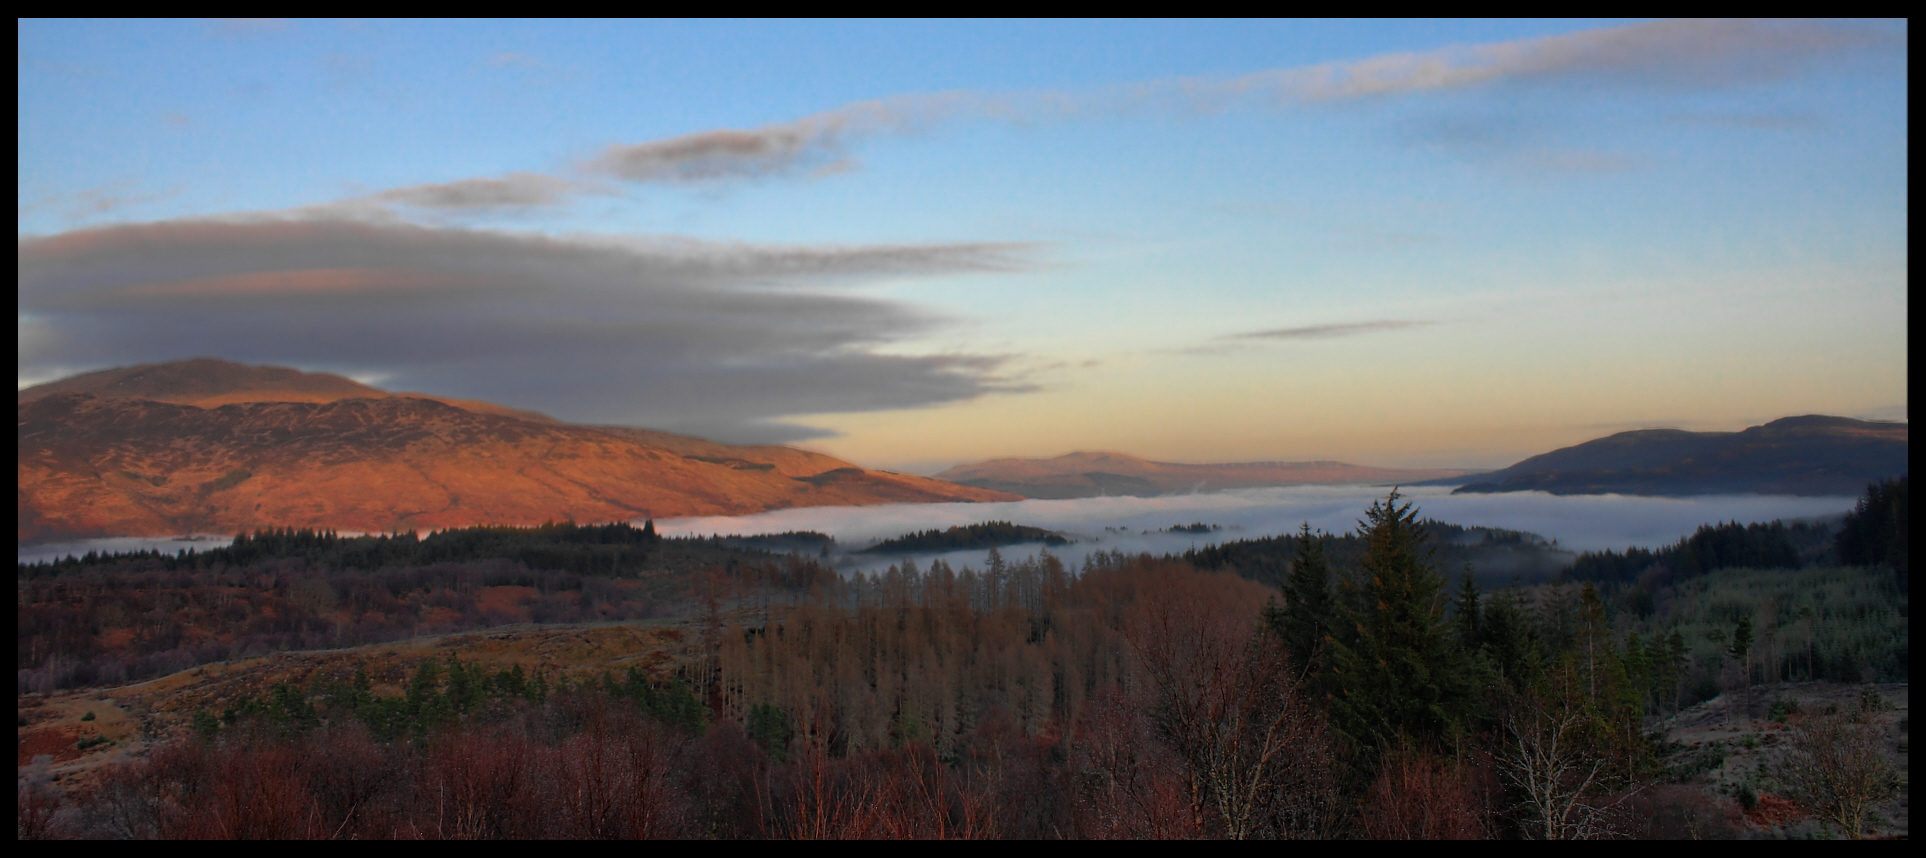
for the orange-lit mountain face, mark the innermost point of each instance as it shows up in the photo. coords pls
(1093, 474)
(209, 446)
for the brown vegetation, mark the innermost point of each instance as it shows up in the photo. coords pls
(124, 465)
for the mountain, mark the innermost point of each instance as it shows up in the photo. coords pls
(1811, 455)
(211, 446)
(1079, 475)
(210, 382)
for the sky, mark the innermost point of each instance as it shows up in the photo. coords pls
(916, 244)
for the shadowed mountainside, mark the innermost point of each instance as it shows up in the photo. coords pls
(1810, 455)
(1079, 475)
(211, 446)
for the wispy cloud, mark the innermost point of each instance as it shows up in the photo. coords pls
(515, 190)
(804, 145)
(675, 334)
(95, 202)
(1679, 54)
(1318, 332)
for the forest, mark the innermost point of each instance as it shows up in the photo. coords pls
(1496, 557)
(989, 534)
(1351, 689)
(108, 620)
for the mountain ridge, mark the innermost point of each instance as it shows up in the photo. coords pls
(254, 453)
(1096, 473)
(1811, 454)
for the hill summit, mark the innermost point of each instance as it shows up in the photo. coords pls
(211, 446)
(1809, 455)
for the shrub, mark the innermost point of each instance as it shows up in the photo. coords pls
(1837, 767)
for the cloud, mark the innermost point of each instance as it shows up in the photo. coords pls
(675, 334)
(1689, 54)
(515, 190)
(1318, 332)
(94, 202)
(1577, 522)
(1684, 54)
(1679, 54)
(812, 143)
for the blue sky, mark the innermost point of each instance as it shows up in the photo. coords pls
(918, 243)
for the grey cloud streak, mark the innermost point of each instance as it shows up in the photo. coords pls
(718, 338)
(515, 190)
(812, 143)
(1689, 54)
(1314, 332)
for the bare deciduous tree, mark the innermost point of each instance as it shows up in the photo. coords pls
(1256, 753)
(1837, 767)
(1419, 797)
(1566, 786)
(1129, 785)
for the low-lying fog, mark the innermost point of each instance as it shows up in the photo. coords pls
(1576, 522)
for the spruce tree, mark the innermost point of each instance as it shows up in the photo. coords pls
(1395, 670)
(1509, 636)
(1306, 618)
(1468, 613)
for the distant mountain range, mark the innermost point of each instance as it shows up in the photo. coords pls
(1080, 475)
(1811, 455)
(211, 446)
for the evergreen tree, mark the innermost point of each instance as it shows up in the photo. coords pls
(426, 705)
(1395, 669)
(1306, 619)
(1468, 613)
(1675, 655)
(1509, 639)
(1742, 652)
(1875, 531)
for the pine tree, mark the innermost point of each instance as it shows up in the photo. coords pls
(1395, 669)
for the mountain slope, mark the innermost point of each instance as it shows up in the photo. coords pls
(1811, 455)
(211, 382)
(121, 464)
(1094, 474)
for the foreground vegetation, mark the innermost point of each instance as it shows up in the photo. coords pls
(1341, 695)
